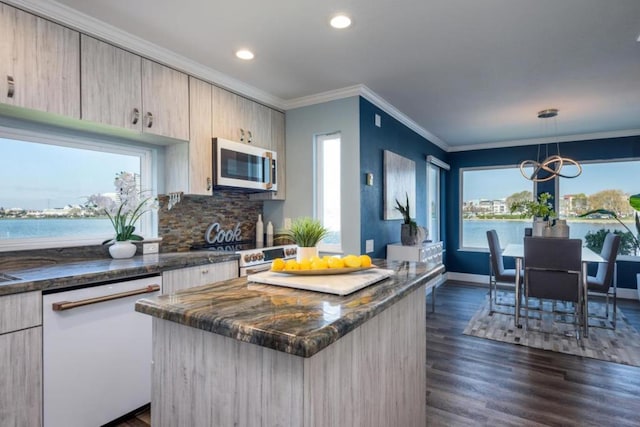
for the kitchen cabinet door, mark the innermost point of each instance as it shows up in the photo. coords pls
(240, 119)
(259, 124)
(39, 64)
(228, 115)
(277, 140)
(184, 278)
(200, 145)
(189, 166)
(165, 101)
(21, 359)
(21, 378)
(111, 85)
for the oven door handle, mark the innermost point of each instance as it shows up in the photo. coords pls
(68, 305)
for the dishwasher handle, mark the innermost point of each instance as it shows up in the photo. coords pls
(68, 305)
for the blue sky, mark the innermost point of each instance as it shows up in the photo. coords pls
(38, 176)
(500, 183)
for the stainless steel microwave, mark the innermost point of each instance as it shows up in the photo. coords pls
(243, 167)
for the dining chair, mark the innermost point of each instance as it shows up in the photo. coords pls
(497, 272)
(553, 272)
(602, 284)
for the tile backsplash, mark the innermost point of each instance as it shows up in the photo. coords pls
(186, 223)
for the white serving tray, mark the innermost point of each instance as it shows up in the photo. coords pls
(338, 284)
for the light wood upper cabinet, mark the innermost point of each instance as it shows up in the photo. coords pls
(111, 85)
(39, 63)
(124, 90)
(277, 144)
(200, 144)
(165, 101)
(240, 119)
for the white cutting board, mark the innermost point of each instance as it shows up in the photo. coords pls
(339, 284)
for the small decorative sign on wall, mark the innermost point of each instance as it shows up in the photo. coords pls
(399, 181)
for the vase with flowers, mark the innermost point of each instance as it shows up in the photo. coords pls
(123, 210)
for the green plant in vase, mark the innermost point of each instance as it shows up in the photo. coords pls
(409, 229)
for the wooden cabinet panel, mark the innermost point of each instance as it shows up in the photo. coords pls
(111, 85)
(228, 112)
(20, 311)
(277, 140)
(259, 124)
(124, 90)
(200, 145)
(21, 378)
(165, 101)
(43, 61)
(184, 278)
(240, 119)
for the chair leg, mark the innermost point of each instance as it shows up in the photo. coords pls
(615, 301)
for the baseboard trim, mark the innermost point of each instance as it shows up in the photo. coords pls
(483, 280)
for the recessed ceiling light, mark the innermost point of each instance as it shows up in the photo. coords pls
(340, 21)
(244, 54)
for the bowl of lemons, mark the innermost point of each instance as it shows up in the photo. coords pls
(316, 266)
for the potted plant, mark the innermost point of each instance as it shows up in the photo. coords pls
(409, 229)
(306, 233)
(634, 202)
(541, 210)
(123, 213)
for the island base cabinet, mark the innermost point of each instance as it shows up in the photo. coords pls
(373, 376)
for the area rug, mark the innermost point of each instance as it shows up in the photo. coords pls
(555, 332)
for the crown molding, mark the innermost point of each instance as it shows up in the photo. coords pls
(86, 24)
(374, 98)
(547, 140)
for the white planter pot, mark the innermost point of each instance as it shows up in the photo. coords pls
(306, 253)
(539, 226)
(124, 249)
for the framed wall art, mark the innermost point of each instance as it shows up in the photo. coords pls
(399, 181)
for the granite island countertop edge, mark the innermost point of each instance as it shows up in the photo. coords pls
(190, 307)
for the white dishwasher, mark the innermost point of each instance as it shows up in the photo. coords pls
(96, 352)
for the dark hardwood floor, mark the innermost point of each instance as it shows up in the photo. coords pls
(476, 382)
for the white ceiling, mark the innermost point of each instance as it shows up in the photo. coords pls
(467, 71)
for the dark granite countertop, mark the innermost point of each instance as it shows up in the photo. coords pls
(289, 320)
(69, 274)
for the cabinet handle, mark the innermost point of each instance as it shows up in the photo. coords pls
(10, 87)
(208, 184)
(136, 116)
(269, 172)
(149, 119)
(249, 140)
(67, 305)
(205, 271)
(241, 135)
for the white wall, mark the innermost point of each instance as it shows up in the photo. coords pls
(302, 124)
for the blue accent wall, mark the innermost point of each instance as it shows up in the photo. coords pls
(478, 262)
(396, 137)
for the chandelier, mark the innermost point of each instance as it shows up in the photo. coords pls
(551, 166)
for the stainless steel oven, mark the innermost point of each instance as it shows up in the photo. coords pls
(244, 167)
(253, 259)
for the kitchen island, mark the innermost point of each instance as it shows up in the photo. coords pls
(246, 354)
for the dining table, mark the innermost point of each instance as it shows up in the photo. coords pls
(516, 250)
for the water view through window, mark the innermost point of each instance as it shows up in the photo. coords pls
(488, 193)
(44, 189)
